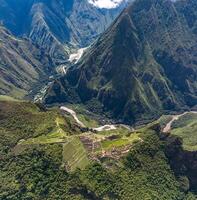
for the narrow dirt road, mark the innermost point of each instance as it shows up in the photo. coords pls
(73, 113)
(107, 127)
(168, 126)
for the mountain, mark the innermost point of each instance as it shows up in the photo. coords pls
(22, 64)
(39, 35)
(58, 26)
(144, 65)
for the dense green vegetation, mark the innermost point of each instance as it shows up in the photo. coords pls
(36, 169)
(31, 151)
(145, 175)
(186, 129)
(142, 66)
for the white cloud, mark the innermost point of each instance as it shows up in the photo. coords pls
(106, 3)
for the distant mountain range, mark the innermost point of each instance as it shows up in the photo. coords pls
(39, 35)
(145, 64)
(57, 25)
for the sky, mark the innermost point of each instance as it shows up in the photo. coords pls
(105, 3)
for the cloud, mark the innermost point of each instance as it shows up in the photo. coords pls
(106, 3)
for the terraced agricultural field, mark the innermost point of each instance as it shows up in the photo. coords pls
(114, 143)
(74, 154)
(110, 144)
(50, 127)
(30, 127)
(57, 135)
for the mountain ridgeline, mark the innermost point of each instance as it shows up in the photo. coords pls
(22, 65)
(57, 26)
(37, 36)
(145, 64)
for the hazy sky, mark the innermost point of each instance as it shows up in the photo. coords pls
(105, 3)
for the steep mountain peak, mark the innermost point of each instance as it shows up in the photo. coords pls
(50, 22)
(130, 71)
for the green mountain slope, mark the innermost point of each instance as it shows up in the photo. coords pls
(142, 66)
(22, 65)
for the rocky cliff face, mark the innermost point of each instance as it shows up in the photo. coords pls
(143, 65)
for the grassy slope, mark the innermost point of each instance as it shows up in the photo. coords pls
(186, 128)
(25, 126)
(125, 137)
